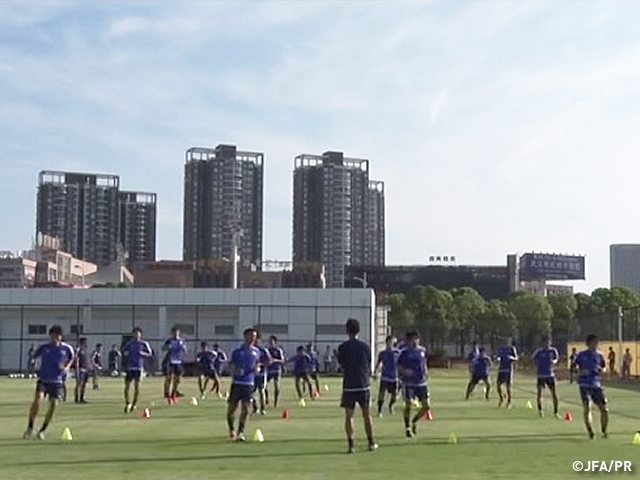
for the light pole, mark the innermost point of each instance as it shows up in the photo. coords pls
(362, 280)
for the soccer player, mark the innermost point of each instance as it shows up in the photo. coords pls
(114, 358)
(274, 371)
(627, 360)
(572, 369)
(412, 366)
(507, 356)
(611, 357)
(206, 365)
(175, 348)
(354, 357)
(545, 358)
(221, 359)
(388, 359)
(96, 365)
(480, 373)
(136, 352)
(591, 364)
(244, 365)
(301, 368)
(55, 359)
(473, 354)
(315, 369)
(261, 378)
(82, 370)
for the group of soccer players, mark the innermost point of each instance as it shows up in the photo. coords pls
(252, 367)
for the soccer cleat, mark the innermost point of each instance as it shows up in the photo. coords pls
(373, 447)
(203, 397)
(40, 435)
(605, 435)
(232, 436)
(351, 450)
(591, 435)
(241, 437)
(262, 411)
(27, 434)
(408, 433)
(541, 413)
(558, 416)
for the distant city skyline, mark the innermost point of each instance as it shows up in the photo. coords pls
(497, 126)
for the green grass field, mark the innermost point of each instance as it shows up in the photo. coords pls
(186, 441)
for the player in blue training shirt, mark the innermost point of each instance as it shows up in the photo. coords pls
(175, 348)
(507, 356)
(274, 371)
(218, 364)
(388, 359)
(412, 366)
(473, 354)
(135, 352)
(261, 378)
(315, 369)
(244, 364)
(545, 358)
(354, 357)
(480, 373)
(590, 364)
(82, 370)
(301, 368)
(55, 359)
(206, 368)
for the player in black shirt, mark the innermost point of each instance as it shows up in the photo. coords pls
(354, 357)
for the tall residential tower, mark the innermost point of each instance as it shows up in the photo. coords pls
(223, 204)
(138, 226)
(338, 214)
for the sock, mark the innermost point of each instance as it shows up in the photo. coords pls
(240, 426)
(371, 440)
(351, 442)
(44, 427)
(380, 403)
(30, 425)
(230, 423)
(406, 422)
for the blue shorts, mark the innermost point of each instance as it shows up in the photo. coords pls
(173, 369)
(420, 392)
(55, 391)
(505, 378)
(476, 379)
(207, 372)
(274, 376)
(595, 394)
(240, 393)
(133, 375)
(260, 382)
(547, 382)
(361, 397)
(82, 376)
(388, 386)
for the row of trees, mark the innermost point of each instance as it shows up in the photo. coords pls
(461, 315)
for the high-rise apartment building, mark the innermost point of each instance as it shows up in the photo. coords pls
(223, 204)
(624, 263)
(92, 219)
(337, 214)
(81, 210)
(138, 226)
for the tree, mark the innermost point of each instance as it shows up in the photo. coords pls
(533, 315)
(401, 317)
(468, 306)
(564, 324)
(432, 311)
(496, 322)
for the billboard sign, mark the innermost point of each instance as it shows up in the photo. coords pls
(550, 266)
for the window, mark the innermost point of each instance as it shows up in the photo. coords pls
(330, 329)
(186, 328)
(274, 328)
(77, 329)
(227, 330)
(37, 329)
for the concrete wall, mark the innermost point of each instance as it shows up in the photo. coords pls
(296, 316)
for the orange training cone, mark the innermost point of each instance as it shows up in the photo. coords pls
(428, 416)
(568, 417)
(146, 414)
(285, 415)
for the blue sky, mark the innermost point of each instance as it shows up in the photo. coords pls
(497, 126)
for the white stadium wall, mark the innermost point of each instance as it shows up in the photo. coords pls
(295, 316)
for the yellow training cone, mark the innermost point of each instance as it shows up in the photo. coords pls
(194, 401)
(529, 405)
(452, 439)
(66, 435)
(326, 387)
(258, 437)
(636, 438)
